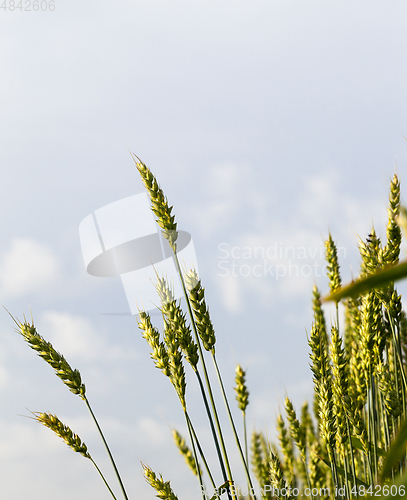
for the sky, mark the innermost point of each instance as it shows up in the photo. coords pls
(267, 124)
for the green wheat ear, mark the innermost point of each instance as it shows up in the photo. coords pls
(163, 488)
(159, 203)
(259, 460)
(70, 377)
(242, 393)
(331, 255)
(63, 431)
(185, 451)
(53, 423)
(391, 251)
(166, 355)
(159, 352)
(319, 317)
(287, 449)
(296, 430)
(201, 310)
(176, 319)
(277, 478)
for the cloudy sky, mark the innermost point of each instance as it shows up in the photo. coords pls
(267, 124)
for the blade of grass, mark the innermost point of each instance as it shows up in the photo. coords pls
(380, 279)
(396, 452)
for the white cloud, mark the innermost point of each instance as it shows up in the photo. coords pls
(26, 267)
(285, 260)
(231, 292)
(326, 200)
(151, 431)
(361, 217)
(228, 192)
(25, 439)
(265, 267)
(216, 213)
(4, 376)
(224, 179)
(75, 335)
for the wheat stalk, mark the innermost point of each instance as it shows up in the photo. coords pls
(70, 377)
(53, 423)
(242, 398)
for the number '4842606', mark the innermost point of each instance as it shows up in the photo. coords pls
(28, 5)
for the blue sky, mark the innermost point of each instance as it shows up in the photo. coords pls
(267, 124)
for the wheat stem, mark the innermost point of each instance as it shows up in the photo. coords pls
(104, 480)
(215, 438)
(107, 448)
(167, 222)
(242, 398)
(202, 454)
(208, 384)
(195, 455)
(233, 427)
(246, 451)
